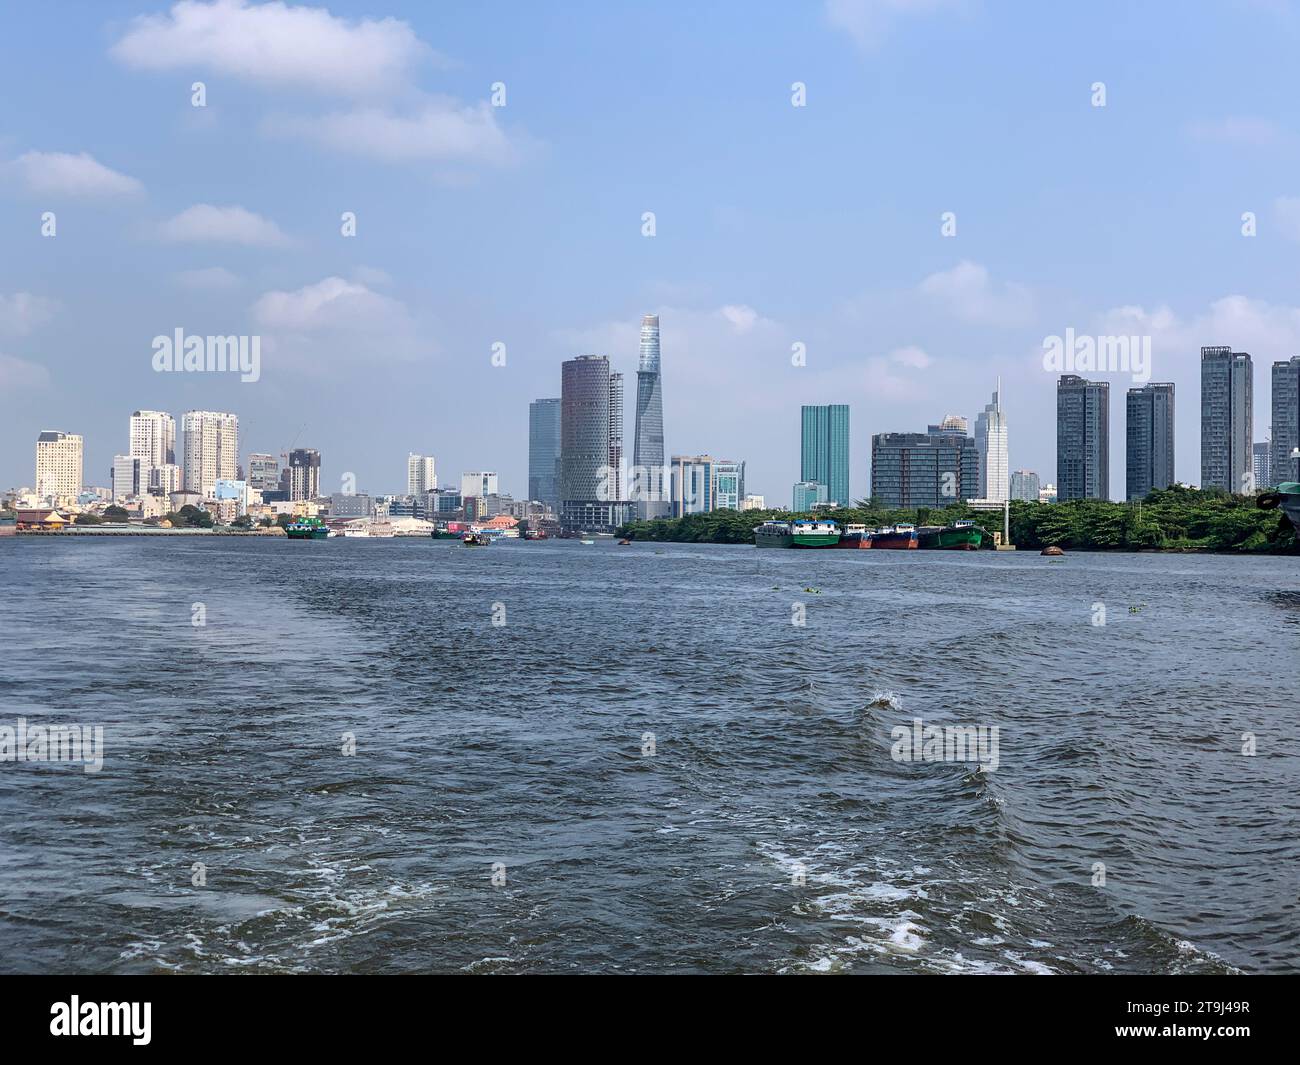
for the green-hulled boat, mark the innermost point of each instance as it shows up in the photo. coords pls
(959, 536)
(307, 529)
(815, 534)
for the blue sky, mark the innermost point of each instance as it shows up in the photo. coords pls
(775, 225)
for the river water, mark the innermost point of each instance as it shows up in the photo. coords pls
(646, 765)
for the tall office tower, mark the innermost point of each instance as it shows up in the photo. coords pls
(824, 451)
(648, 442)
(932, 469)
(263, 472)
(616, 434)
(728, 484)
(127, 471)
(544, 452)
(153, 439)
(1227, 419)
(991, 443)
(480, 484)
(1025, 485)
(421, 476)
(1262, 463)
(302, 474)
(1149, 433)
(211, 450)
(588, 495)
(1286, 422)
(1082, 438)
(58, 464)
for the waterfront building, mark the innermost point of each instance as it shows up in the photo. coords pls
(1227, 414)
(824, 450)
(544, 451)
(263, 472)
(355, 505)
(807, 495)
(648, 439)
(211, 450)
(420, 474)
(480, 484)
(301, 478)
(932, 469)
(58, 465)
(700, 483)
(125, 477)
(616, 485)
(1286, 422)
(236, 496)
(991, 444)
(1149, 436)
(753, 502)
(589, 500)
(1082, 438)
(152, 440)
(1024, 485)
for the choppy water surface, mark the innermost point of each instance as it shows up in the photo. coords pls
(770, 831)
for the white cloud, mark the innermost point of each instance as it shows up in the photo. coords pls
(276, 45)
(911, 356)
(18, 373)
(440, 130)
(22, 312)
(968, 292)
(741, 317)
(64, 174)
(868, 22)
(1243, 130)
(228, 225)
(209, 278)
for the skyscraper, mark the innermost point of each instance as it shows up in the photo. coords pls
(301, 477)
(700, 483)
(153, 439)
(1262, 463)
(991, 443)
(1025, 485)
(58, 465)
(588, 497)
(211, 450)
(824, 451)
(648, 442)
(1149, 435)
(616, 434)
(1227, 419)
(1082, 438)
(263, 472)
(544, 452)
(931, 469)
(1286, 421)
(421, 474)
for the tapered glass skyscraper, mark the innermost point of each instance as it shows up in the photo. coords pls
(824, 450)
(648, 442)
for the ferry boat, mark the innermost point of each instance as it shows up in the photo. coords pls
(959, 536)
(815, 533)
(535, 534)
(897, 537)
(773, 534)
(307, 529)
(473, 539)
(855, 536)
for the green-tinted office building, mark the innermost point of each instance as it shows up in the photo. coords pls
(825, 450)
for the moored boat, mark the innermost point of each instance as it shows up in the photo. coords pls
(1286, 496)
(473, 539)
(773, 534)
(815, 533)
(959, 536)
(895, 537)
(307, 529)
(855, 536)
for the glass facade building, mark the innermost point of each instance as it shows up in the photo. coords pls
(1082, 438)
(1025, 485)
(1227, 416)
(934, 469)
(544, 452)
(589, 494)
(648, 438)
(1286, 422)
(806, 495)
(824, 451)
(1149, 438)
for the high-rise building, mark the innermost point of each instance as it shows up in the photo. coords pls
(153, 439)
(648, 441)
(991, 443)
(211, 450)
(1262, 463)
(932, 469)
(421, 475)
(616, 435)
(544, 451)
(700, 483)
(728, 484)
(806, 495)
(588, 497)
(1227, 419)
(58, 464)
(263, 472)
(1286, 422)
(163, 480)
(126, 477)
(1025, 485)
(824, 450)
(479, 484)
(301, 478)
(1082, 438)
(1149, 436)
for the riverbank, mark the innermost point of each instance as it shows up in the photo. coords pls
(1175, 519)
